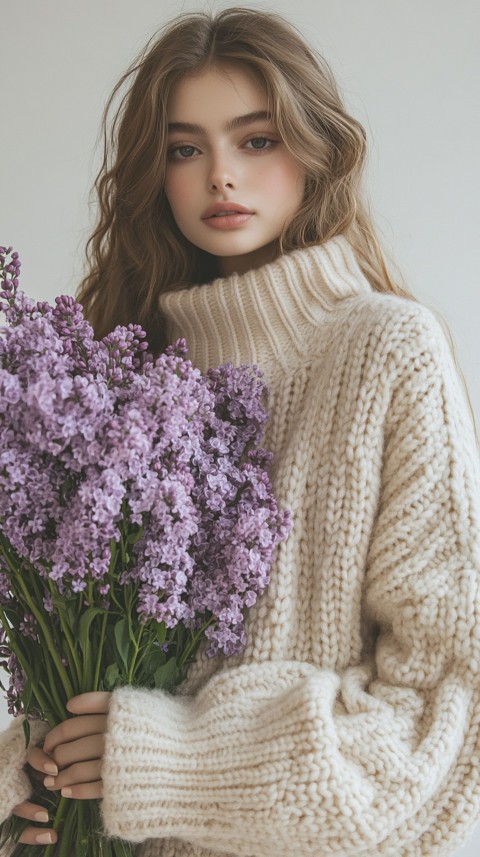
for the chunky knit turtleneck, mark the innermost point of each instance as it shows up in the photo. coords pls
(350, 725)
(269, 315)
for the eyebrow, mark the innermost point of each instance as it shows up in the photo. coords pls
(232, 125)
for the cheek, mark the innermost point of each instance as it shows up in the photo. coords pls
(178, 191)
(284, 183)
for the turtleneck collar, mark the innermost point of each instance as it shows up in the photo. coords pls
(266, 316)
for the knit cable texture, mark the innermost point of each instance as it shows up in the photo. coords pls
(350, 724)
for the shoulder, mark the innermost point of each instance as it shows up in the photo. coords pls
(395, 330)
(387, 348)
(414, 369)
(402, 316)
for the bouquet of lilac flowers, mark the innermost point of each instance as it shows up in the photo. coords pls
(137, 520)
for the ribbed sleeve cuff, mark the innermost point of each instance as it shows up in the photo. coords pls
(199, 768)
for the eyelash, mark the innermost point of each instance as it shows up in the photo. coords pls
(178, 146)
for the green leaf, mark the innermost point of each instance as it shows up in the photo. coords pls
(11, 615)
(111, 677)
(26, 731)
(122, 641)
(27, 694)
(85, 623)
(37, 670)
(166, 676)
(161, 632)
(68, 610)
(150, 663)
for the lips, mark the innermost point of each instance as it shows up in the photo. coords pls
(225, 213)
(223, 209)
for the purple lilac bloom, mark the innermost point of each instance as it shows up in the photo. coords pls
(96, 436)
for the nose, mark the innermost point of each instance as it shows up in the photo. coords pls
(221, 174)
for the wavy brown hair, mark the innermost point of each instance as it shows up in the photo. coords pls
(136, 250)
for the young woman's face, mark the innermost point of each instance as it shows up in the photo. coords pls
(218, 153)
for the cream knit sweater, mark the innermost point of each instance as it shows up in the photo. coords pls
(351, 724)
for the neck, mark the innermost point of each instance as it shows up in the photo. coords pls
(229, 265)
(266, 315)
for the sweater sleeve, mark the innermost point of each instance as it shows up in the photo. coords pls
(15, 785)
(281, 758)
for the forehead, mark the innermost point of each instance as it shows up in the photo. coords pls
(215, 94)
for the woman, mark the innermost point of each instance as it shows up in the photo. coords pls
(231, 214)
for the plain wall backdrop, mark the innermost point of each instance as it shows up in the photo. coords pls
(409, 70)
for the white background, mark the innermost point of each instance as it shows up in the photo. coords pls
(408, 69)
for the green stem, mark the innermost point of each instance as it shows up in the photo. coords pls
(57, 823)
(43, 695)
(69, 833)
(46, 633)
(53, 687)
(72, 651)
(46, 659)
(111, 577)
(81, 831)
(96, 680)
(26, 667)
(194, 642)
(85, 685)
(131, 670)
(63, 625)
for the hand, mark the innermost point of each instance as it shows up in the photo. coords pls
(38, 760)
(77, 746)
(76, 749)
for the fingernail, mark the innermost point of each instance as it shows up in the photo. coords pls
(44, 839)
(50, 768)
(49, 782)
(66, 792)
(41, 816)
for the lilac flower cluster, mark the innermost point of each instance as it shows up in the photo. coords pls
(102, 444)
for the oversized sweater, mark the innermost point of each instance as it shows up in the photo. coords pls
(350, 725)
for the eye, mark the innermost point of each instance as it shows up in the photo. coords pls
(261, 140)
(181, 152)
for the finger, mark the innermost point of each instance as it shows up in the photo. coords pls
(96, 702)
(34, 812)
(82, 772)
(38, 836)
(39, 760)
(30, 811)
(82, 750)
(84, 791)
(75, 727)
